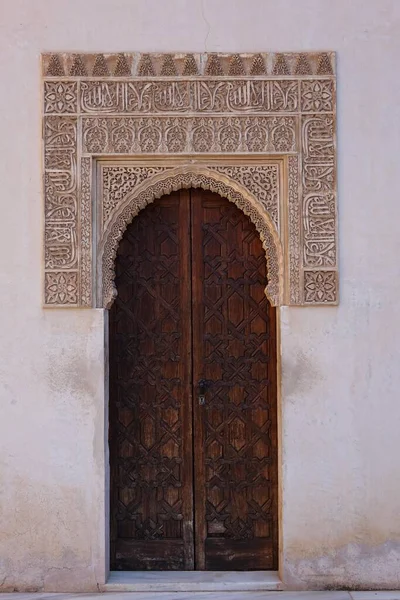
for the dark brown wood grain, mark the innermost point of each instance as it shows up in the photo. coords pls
(193, 485)
(234, 349)
(150, 392)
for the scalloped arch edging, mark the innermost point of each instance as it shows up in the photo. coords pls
(184, 178)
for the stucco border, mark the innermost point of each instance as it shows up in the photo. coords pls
(144, 105)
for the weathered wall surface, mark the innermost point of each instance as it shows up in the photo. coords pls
(340, 408)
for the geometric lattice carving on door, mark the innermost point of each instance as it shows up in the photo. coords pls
(147, 391)
(194, 484)
(237, 353)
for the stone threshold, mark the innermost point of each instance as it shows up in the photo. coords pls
(198, 595)
(192, 581)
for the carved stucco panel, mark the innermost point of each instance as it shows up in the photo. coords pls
(320, 287)
(262, 181)
(117, 182)
(133, 64)
(86, 233)
(174, 135)
(60, 191)
(136, 106)
(294, 230)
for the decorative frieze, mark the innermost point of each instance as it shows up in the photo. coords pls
(205, 96)
(176, 135)
(264, 123)
(133, 64)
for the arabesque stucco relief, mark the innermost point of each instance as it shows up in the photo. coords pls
(122, 129)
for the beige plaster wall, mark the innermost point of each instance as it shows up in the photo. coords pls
(340, 406)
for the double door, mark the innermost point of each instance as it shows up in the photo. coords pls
(193, 433)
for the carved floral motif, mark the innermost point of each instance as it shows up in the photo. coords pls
(61, 288)
(61, 96)
(317, 96)
(320, 287)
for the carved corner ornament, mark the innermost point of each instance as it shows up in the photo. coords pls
(121, 130)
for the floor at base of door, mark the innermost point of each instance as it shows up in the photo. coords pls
(192, 581)
(338, 595)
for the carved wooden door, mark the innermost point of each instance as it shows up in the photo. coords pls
(193, 434)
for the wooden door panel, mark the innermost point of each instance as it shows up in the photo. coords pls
(234, 349)
(150, 392)
(223, 554)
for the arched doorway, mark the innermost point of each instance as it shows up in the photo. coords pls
(193, 395)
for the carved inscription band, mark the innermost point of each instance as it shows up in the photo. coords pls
(264, 122)
(208, 96)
